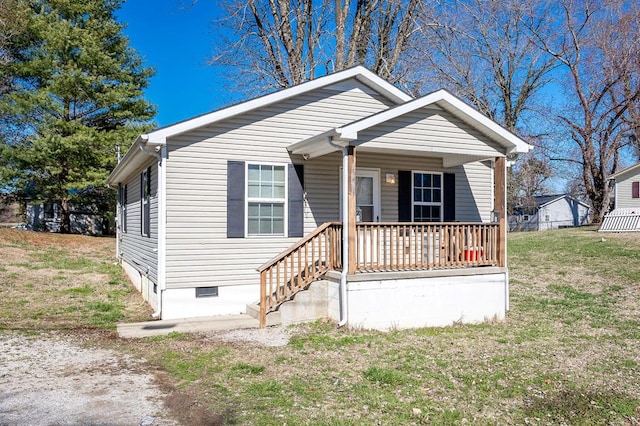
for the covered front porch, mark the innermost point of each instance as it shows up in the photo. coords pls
(439, 235)
(415, 257)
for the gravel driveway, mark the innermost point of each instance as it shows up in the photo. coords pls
(50, 380)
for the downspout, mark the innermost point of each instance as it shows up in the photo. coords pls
(160, 153)
(345, 241)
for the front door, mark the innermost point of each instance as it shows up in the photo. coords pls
(367, 195)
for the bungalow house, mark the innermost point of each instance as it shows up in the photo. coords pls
(550, 212)
(342, 197)
(625, 216)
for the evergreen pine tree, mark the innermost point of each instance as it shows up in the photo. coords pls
(75, 92)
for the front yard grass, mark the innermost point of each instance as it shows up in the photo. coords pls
(568, 352)
(63, 282)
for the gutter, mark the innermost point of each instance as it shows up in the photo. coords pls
(345, 241)
(160, 153)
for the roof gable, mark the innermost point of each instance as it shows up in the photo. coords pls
(628, 172)
(450, 103)
(360, 73)
(545, 200)
(151, 142)
(441, 99)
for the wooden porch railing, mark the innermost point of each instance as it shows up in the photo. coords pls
(379, 247)
(412, 246)
(295, 268)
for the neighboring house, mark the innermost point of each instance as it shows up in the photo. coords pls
(380, 204)
(550, 212)
(46, 217)
(626, 192)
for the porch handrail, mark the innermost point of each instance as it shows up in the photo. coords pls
(398, 246)
(296, 267)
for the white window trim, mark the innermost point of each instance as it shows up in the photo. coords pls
(266, 200)
(423, 203)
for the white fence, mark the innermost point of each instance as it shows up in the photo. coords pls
(621, 220)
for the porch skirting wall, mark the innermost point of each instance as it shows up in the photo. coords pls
(182, 302)
(385, 301)
(142, 282)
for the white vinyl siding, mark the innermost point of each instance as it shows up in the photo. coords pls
(141, 251)
(198, 250)
(624, 191)
(439, 130)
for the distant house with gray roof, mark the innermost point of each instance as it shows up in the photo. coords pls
(550, 212)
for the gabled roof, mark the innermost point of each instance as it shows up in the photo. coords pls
(135, 156)
(316, 146)
(544, 200)
(633, 169)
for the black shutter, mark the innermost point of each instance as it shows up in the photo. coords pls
(449, 197)
(235, 199)
(296, 200)
(147, 212)
(404, 196)
(125, 200)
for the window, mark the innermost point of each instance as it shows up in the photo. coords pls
(145, 211)
(49, 211)
(266, 199)
(122, 199)
(635, 189)
(427, 197)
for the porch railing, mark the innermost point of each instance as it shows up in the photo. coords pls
(412, 246)
(295, 268)
(379, 247)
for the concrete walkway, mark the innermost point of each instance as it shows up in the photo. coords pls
(187, 325)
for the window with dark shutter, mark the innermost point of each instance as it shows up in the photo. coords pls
(635, 189)
(426, 196)
(258, 195)
(122, 207)
(145, 193)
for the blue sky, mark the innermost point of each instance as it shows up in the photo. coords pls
(176, 38)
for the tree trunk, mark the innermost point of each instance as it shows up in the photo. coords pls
(65, 217)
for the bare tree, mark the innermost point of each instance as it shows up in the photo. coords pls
(529, 178)
(597, 44)
(481, 51)
(280, 43)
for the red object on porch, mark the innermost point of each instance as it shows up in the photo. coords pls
(472, 254)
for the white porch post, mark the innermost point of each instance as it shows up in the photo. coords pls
(500, 205)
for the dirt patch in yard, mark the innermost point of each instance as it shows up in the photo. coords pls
(55, 379)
